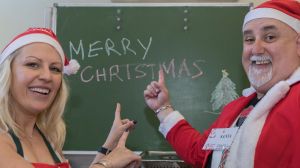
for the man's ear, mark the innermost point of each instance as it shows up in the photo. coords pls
(298, 44)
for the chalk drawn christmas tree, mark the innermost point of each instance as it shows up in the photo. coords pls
(224, 92)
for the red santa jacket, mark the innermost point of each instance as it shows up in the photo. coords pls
(278, 144)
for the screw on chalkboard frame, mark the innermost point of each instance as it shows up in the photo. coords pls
(118, 19)
(185, 19)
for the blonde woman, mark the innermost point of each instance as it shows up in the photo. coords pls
(33, 94)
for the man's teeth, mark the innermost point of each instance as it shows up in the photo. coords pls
(262, 62)
(40, 90)
(258, 60)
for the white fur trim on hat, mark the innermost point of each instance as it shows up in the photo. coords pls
(274, 14)
(72, 67)
(28, 39)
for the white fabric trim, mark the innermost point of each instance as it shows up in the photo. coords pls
(274, 14)
(31, 38)
(216, 159)
(169, 122)
(242, 151)
(294, 78)
(72, 68)
(249, 91)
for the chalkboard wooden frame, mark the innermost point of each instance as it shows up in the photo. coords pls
(89, 117)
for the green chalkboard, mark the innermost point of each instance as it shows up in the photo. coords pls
(120, 49)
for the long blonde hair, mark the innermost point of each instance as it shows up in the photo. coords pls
(50, 122)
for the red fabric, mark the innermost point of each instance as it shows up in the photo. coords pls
(30, 31)
(289, 7)
(59, 165)
(277, 146)
(45, 31)
(246, 111)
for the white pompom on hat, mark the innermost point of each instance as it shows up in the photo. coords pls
(286, 11)
(43, 35)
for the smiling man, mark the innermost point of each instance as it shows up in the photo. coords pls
(261, 128)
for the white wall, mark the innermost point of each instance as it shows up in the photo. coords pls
(17, 15)
(255, 2)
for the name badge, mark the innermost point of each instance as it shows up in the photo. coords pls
(220, 138)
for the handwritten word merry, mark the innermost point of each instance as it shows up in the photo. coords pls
(109, 47)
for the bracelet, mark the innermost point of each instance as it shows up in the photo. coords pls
(104, 163)
(162, 109)
(104, 150)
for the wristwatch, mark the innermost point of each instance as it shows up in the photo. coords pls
(104, 163)
(104, 150)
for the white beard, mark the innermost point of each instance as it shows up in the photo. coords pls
(260, 76)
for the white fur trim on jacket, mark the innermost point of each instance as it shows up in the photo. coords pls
(243, 148)
(169, 122)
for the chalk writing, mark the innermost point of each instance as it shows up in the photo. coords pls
(108, 47)
(127, 72)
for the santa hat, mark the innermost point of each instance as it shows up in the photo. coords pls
(286, 11)
(43, 35)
